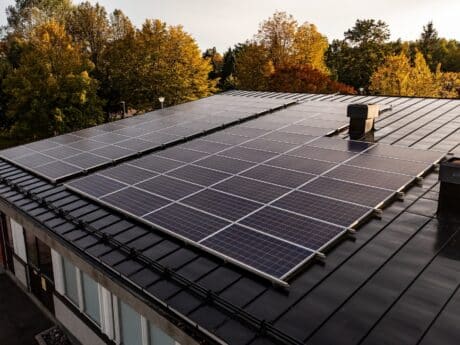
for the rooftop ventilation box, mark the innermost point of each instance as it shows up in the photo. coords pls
(362, 119)
(449, 191)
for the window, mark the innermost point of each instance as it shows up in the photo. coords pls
(130, 325)
(91, 298)
(70, 281)
(18, 240)
(158, 337)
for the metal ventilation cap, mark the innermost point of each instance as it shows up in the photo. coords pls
(362, 119)
(449, 191)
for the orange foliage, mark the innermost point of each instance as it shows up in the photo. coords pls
(305, 79)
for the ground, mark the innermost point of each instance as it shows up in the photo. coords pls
(20, 319)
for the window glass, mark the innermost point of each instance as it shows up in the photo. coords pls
(91, 298)
(158, 337)
(130, 326)
(70, 281)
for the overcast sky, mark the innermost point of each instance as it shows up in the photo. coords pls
(224, 23)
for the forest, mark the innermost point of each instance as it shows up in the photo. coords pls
(66, 66)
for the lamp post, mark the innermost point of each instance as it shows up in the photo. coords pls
(361, 90)
(162, 100)
(123, 104)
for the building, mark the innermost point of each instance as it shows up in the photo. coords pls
(389, 274)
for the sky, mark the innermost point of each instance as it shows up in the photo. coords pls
(225, 23)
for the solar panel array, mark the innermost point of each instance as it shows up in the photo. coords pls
(268, 194)
(71, 154)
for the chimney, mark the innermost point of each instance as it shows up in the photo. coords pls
(362, 119)
(449, 192)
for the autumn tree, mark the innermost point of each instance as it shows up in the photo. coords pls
(399, 77)
(289, 43)
(89, 26)
(158, 60)
(253, 67)
(51, 91)
(303, 78)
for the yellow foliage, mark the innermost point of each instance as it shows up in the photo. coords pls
(398, 77)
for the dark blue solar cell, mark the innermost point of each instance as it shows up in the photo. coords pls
(307, 232)
(258, 251)
(322, 154)
(134, 201)
(225, 164)
(86, 160)
(62, 152)
(340, 144)
(96, 185)
(269, 145)
(278, 176)
(301, 164)
(34, 160)
(329, 210)
(369, 177)
(169, 187)
(246, 154)
(156, 163)
(128, 174)
(223, 205)
(347, 191)
(113, 152)
(186, 222)
(255, 190)
(181, 154)
(57, 170)
(201, 176)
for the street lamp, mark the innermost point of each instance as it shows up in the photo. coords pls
(123, 104)
(361, 90)
(162, 100)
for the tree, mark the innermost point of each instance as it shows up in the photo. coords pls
(428, 44)
(51, 91)
(289, 43)
(253, 67)
(24, 15)
(157, 60)
(90, 28)
(303, 78)
(227, 80)
(362, 51)
(398, 77)
(216, 61)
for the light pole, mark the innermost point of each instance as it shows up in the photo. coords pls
(123, 104)
(162, 100)
(361, 90)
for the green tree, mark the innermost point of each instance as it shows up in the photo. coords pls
(429, 45)
(227, 80)
(51, 91)
(216, 60)
(24, 15)
(362, 51)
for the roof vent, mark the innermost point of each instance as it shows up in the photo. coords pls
(449, 192)
(362, 119)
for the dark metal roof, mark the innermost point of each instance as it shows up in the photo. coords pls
(395, 281)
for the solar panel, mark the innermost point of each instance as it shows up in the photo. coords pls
(99, 146)
(352, 192)
(253, 195)
(187, 222)
(330, 210)
(134, 201)
(257, 251)
(307, 232)
(223, 205)
(251, 189)
(369, 177)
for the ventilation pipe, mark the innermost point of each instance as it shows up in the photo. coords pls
(362, 119)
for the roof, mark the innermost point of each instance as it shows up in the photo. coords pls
(395, 281)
